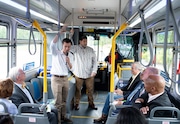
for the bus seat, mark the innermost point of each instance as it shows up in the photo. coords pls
(31, 118)
(30, 87)
(175, 119)
(38, 94)
(3, 108)
(112, 118)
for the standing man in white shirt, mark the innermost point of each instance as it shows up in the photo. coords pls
(61, 65)
(85, 70)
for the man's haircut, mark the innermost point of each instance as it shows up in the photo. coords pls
(66, 40)
(83, 37)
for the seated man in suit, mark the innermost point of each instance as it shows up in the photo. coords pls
(22, 95)
(138, 91)
(122, 93)
(154, 96)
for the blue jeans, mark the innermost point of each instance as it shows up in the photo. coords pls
(107, 102)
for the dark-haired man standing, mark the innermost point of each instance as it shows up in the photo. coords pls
(61, 65)
(85, 70)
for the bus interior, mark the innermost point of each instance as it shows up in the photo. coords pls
(143, 30)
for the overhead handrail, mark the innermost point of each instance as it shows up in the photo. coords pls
(59, 17)
(144, 29)
(36, 24)
(28, 16)
(29, 43)
(28, 25)
(169, 11)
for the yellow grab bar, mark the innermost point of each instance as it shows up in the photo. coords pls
(36, 24)
(122, 28)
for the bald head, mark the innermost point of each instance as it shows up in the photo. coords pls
(154, 84)
(148, 71)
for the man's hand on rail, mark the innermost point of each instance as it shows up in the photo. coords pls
(144, 110)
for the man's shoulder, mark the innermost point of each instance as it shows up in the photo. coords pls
(90, 48)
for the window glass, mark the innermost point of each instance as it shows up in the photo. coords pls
(124, 46)
(4, 51)
(25, 60)
(24, 34)
(159, 59)
(104, 46)
(145, 55)
(3, 62)
(161, 35)
(3, 30)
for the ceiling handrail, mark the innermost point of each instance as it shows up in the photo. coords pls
(29, 43)
(169, 11)
(144, 29)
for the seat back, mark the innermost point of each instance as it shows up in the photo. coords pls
(3, 108)
(164, 120)
(38, 93)
(111, 117)
(30, 87)
(31, 118)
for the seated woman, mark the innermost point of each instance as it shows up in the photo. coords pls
(6, 89)
(130, 115)
(5, 119)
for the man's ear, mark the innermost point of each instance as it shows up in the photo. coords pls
(153, 88)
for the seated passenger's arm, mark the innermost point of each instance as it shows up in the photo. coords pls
(17, 101)
(119, 91)
(145, 110)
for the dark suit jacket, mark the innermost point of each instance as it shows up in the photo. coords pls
(19, 97)
(162, 100)
(127, 90)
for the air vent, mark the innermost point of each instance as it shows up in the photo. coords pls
(95, 17)
(94, 22)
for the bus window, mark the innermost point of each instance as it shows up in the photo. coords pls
(3, 30)
(159, 59)
(104, 46)
(124, 44)
(145, 55)
(4, 51)
(3, 62)
(160, 51)
(24, 59)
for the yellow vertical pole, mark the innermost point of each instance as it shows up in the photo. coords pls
(123, 27)
(36, 24)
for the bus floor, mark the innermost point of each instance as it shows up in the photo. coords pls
(86, 115)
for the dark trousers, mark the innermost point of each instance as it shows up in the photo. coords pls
(53, 116)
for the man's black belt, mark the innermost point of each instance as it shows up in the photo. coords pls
(60, 76)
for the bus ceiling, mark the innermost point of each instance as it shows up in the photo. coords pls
(87, 13)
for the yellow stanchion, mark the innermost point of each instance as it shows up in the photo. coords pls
(36, 24)
(123, 27)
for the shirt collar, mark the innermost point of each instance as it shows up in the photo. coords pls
(152, 97)
(19, 85)
(134, 76)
